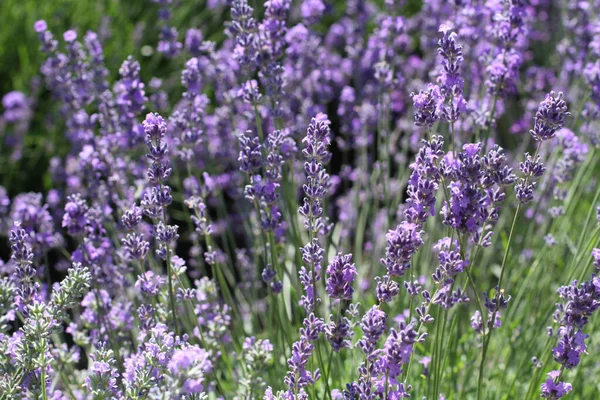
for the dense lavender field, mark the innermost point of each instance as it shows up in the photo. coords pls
(308, 199)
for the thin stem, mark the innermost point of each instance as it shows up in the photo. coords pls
(443, 313)
(170, 279)
(259, 129)
(339, 317)
(410, 361)
(489, 128)
(111, 339)
(453, 139)
(387, 386)
(43, 376)
(490, 323)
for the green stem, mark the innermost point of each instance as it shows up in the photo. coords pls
(489, 128)
(170, 281)
(491, 321)
(43, 377)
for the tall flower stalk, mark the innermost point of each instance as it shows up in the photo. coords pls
(158, 197)
(549, 118)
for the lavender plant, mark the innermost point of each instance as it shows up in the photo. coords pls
(325, 200)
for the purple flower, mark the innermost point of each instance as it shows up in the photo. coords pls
(574, 153)
(103, 374)
(27, 289)
(159, 170)
(524, 190)
(312, 256)
(423, 181)
(579, 302)
(399, 347)
(191, 78)
(550, 240)
(373, 325)
(570, 347)
(503, 72)
(17, 107)
(402, 243)
(149, 283)
(413, 288)
(426, 105)
(200, 218)
(250, 92)
(550, 117)
(70, 36)
(250, 157)
(339, 334)
(533, 168)
(40, 26)
(130, 97)
(312, 10)
(190, 364)
(340, 275)
(75, 217)
(477, 322)
(244, 28)
(551, 389)
(131, 218)
(35, 219)
(451, 83)
(49, 44)
(168, 44)
(298, 377)
(386, 289)
(498, 302)
(94, 47)
(450, 264)
(276, 12)
(193, 41)
(596, 256)
(213, 315)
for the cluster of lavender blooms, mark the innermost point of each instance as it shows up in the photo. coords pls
(318, 212)
(579, 301)
(15, 121)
